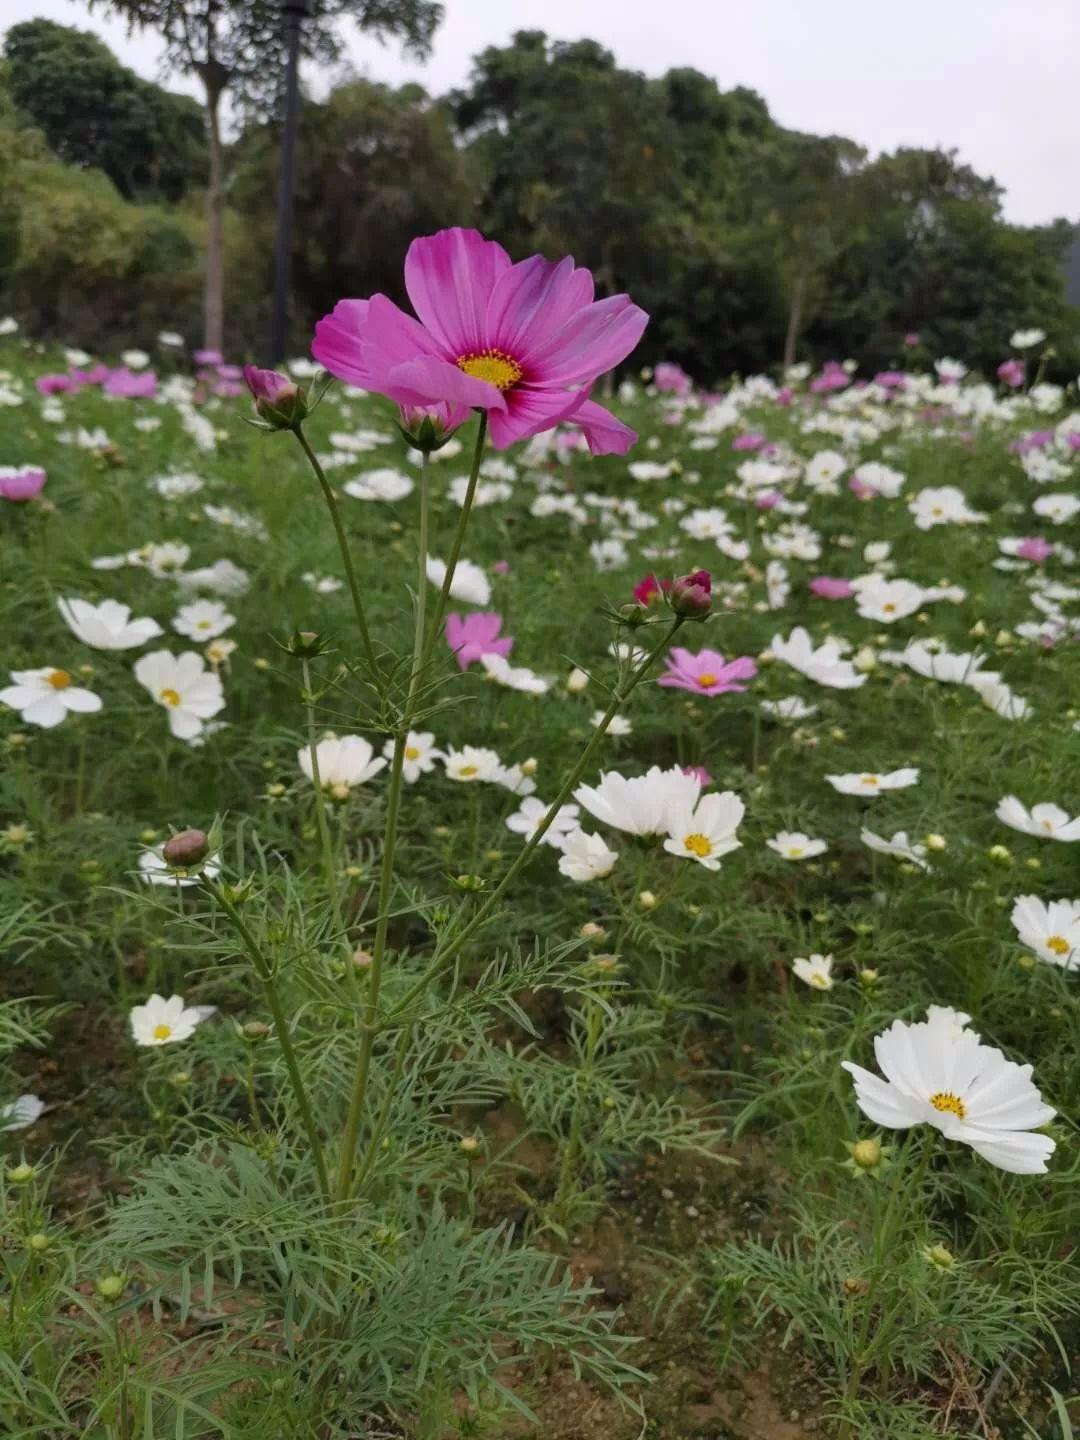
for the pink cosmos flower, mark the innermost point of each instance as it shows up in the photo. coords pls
(700, 774)
(523, 342)
(1036, 549)
(833, 377)
(54, 384)
(785, 396)
(268, 385)
(752, 440)
(96, 375)
(707, 672)
(861, 490)
(768, 499)
(208, 357)
(501, 567)
(828, 588)
(890, 379)
(471, 636)
(671, 379)
(22, 483)
(911, 339)
(128, 384)
(1011, 373)
(649, 590)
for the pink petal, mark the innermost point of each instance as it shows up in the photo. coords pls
(604, 434)
(530, 410)
(427, 380)
(450, 278)
(534, 299)
(337, 342)
(593, 341)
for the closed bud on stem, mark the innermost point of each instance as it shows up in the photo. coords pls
(111, 1287)
(632, 614)
(469, 1144)
(255, 1030)
(940, 1256)
(279, 401)
(21, 1174)
(185, 849)
(39, 1242)
(691, 595)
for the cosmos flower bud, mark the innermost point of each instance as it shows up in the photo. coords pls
(576, 681)
(186, 848)
(278, 400)
(21, 1174)
(940, 1256)
(469, 1144)
(691, 595)
(632, 614)
(427, 428)
(111, 1287)
(255, 1030)
(866, 1153)
(39, 1242)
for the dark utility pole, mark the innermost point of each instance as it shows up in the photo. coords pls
(293, 14)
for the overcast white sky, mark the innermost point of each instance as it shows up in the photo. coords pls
(999, 80)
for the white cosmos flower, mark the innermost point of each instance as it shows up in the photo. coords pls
(815, 970)
(824, 664)
(21, 1113)
(794, 845)
(950, 667)
(955, 1022)
(45, 697)
(470, 583)
(1048, 822)
(870, 783)
(189, 692)
(942, 505)
(968, 1091)
(1025, 339)
(419, 757)
(997, 696)
(900, 847)
(617, 725)
(609, 554)
(175, 487)
(164, 1022)
(514, 677)
(777, 584)
(472, 763)
(586, 857)
(164, 560)
(824, 471)
(882, 478)
(135, 359)
(706, 831)
(203, 620)
(642, 804)
(1058, 508)
(107, 625)
(949, 369)
(221, 578)
(488, 492)
(155, 870)
(1050, 928)
(343, 763)
(791, 707)
(532, 810)
(886, 600)
(385, 484)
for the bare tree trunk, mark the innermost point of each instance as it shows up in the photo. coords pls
(794, 324)
(214, 288)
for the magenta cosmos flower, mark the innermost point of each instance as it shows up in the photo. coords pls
(470, 636)
(523, 342)
(707, 672)
(22, 483)
(828, 587)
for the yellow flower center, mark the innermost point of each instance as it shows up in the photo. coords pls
(58, 679)
(794, 851)
(162, 1032)
(411, 752)
(1058, 944)
(202, 625)
(699, 845)
(889, 608)
(870, 779)
(948, 1103)
(468, 771)
(937, 510)
(494, 366)
(169, 696)
(706, 680)
(820, 980)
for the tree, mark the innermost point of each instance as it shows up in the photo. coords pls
(94, 112)
(237, 46)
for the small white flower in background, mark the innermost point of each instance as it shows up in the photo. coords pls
(824, 472)
(882, 478)
(1047, 821)
(386, 485)
(135, 359)
(488, 492)
(899, 847)
(949, 667)
(1058, 508)
(107, 625)
(189, 692)
(165, 1022)
(942, 505)
(823, 664)
(164, 560)
(47, 696)
(78, 358)
(949, 369)
(577, 680)
(147, 423)
(586, 857)
(1046, 398)
(997, 696)
(419, 757)
(221, 578)
(642, 804)
(706, 831)
(471, 763)
(175, 487)
(617, 725)
(609, 554)
(777, 584)
(236, 520)
(938, 1075)
(532, 810)
(514, 677)
(1025, 339)
(154, 870)
(21, 1113)
(219, 651)
(322, 584)
(877, 552)
(343, 763)
(8, 325)
(470, 583)
(791, 707)
(514, 778)
(170, 340)
(886, 600)
(815, 970)
(794, 845)
(870, 783)
(1050, 928)
(203, 620)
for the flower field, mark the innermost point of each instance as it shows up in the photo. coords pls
(536, 932)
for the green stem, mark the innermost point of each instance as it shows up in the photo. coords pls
(459, 538)
(619, 696)
(325, 842)
(343, 546)
(362, 1074)
(281, 1028)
